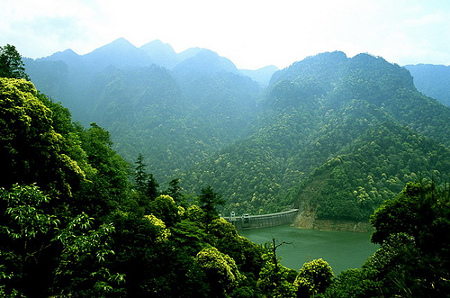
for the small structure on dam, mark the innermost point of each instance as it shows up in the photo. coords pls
(247, 221)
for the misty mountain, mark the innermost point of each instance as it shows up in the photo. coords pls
(119, 53)
(175, 118)
(161, 54)
(262, 75)
(432, 80)
(75, 73)
(205, 62)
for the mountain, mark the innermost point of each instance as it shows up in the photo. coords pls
(336, 134)
(432, 80)
(203, 62)
(161, 54)
(262, 75)
(119, 53)
(174, 117)
(68, 56)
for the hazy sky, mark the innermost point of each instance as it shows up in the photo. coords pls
(252, 33)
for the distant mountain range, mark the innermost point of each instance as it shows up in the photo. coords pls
(332, 134)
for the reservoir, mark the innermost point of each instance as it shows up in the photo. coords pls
(342, 250)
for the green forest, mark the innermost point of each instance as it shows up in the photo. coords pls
(79, 220)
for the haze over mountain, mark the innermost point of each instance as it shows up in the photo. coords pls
(432, 80)
(331, 134)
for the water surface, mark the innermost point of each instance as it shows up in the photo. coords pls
(342, 250)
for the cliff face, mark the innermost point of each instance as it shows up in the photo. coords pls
(307, 219)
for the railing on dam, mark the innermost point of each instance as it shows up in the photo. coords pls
(262, 221)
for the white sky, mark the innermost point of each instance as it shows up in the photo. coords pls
(251, 33)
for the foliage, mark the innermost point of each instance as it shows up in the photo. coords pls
(30, 150)
(165, 208)
(209, 201)
(41, 254)
(107, 185)
(413, 232)
(353, 283)
(275, 279)
(412, 261)
(220, 270)
(11, 64)
(313, 278)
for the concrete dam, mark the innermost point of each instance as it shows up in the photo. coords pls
(262, 221)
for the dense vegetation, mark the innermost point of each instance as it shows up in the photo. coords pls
(73, 223)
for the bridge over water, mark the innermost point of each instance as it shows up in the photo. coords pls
(262, 221)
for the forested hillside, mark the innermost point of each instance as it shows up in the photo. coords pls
(340, 134)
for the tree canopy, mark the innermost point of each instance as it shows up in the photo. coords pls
(11, 64)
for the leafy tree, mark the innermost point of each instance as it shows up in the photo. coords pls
(11, 64)
(165, 208)
(140, 175)
(413, 230)
(275, 279)
(313, 278)
(174, 190)
(221, 271)
(209, 201)
(42, 254)
(30, 150)
(83, 266)
(107, 186)
(26, 231)
(353, 283)
(142, 253)
(152, 187)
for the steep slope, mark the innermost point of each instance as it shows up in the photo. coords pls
(318, 110)
(432, 80)
(173, 123)
(161, 54)
(373, 168)
(175, 119)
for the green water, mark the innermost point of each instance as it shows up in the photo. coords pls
(342, 250)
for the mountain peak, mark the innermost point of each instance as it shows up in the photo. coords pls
(205, 61)
(120, 53)
(161, 53)
(118, 44)
(156, 44)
